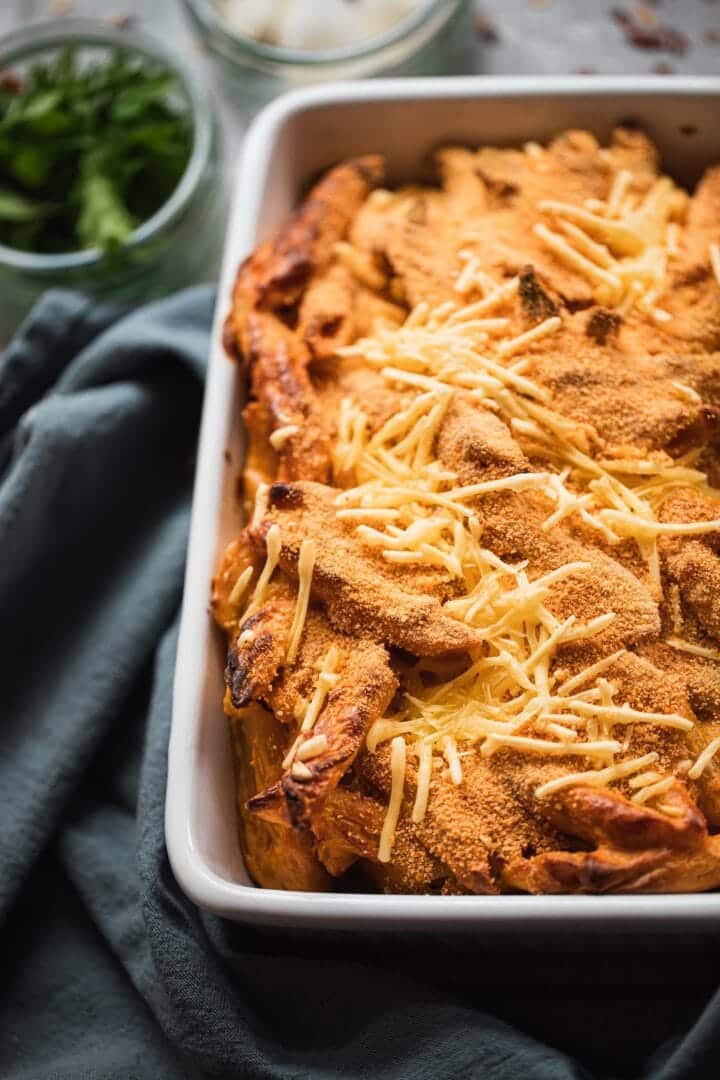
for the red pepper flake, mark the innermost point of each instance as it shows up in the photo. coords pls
(486, 30)
(11, 81)
(661, 37)
(711, 35)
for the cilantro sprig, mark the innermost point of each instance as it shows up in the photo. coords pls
(88, 150)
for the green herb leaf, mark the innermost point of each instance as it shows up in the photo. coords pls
(31, 165)
(41, 105)
(133, 102)
(19, 208)
(64, 70)
(104, 221)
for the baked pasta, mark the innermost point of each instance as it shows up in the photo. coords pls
(474, 620)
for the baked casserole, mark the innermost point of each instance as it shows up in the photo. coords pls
(473, 621)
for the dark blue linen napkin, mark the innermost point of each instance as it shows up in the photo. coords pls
(108, 971)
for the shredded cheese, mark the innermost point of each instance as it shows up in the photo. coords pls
(629, 524)
(572, 258)
(467, 278)
(272, 545)
(327, 678)
(618, 192)
(311, 748)
(306, 564)
(619, 237)
(604, 748)
(533, 150)
(704, 759)
(596, 778)
(687, 393)
(238, 589)
(424, 775)
(693, 648)
(644, 779)
(651, 791)
(280, 435)
(589, 673)
(715, 261)
(620, 246)
(488, 303)
(309, 711)
(514, 345)
(397, 767)
(669, 810)
(451, 756)
(597, 253)
(300, 771)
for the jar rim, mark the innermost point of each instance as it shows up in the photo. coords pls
(210, 19)
(78, 31)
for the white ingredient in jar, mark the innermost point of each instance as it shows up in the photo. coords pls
(315, 24)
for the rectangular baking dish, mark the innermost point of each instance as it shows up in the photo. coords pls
(291, 142)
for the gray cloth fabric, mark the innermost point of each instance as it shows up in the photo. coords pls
(108, 970)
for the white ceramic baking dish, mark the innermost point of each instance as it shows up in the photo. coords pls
(290, 143)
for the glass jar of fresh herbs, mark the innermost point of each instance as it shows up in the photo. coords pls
(110, 179)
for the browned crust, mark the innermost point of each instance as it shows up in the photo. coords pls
(252, 666)
(277, 273)
(269, 287)
(275, 856)
(635, 849)
(363, 692)
(280, 380)
(238, 555)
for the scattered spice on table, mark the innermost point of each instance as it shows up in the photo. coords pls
(486, 29)
(659, 36)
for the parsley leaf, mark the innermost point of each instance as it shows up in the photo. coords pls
(18, 208)
(104, 221)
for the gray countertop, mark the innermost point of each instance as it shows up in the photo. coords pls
(511, 37)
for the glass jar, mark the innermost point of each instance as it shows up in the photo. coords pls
(178, 245)
(434, 40)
